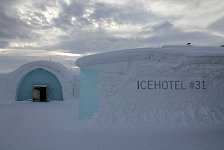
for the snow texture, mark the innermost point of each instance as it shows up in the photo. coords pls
(122, 102)
(142, 53)
(51, 126)
(129, 117)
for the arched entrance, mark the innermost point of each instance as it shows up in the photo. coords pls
(39, 85)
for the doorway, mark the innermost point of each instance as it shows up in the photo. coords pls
(40, 93)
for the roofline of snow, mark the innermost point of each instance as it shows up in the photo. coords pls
(141, 53)
(41, 64)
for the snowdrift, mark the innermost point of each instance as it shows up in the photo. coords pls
(168, 85)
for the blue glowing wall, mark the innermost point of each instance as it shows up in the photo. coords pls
(39, 77)
(88, 104)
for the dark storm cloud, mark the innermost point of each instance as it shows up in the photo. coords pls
(91, 25)
(11, 26)
(75, 9)
(101, 12)
(3, 44)
(35, 14)
(123, 14)
(166, 33)
(218, 25)
(98, 41)
(83, 42)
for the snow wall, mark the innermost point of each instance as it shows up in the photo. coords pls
(10, 82)
(154, 85)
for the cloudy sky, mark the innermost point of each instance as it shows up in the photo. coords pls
(64, 30)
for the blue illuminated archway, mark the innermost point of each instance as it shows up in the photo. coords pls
(39, 77)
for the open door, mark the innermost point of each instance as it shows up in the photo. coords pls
(40, 93)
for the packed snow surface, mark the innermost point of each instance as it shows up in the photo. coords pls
(168, 85)
(51, 126)
(143, 53)
(129, 118)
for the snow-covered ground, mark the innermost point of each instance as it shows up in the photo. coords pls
(129, 118)
(52, 126)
